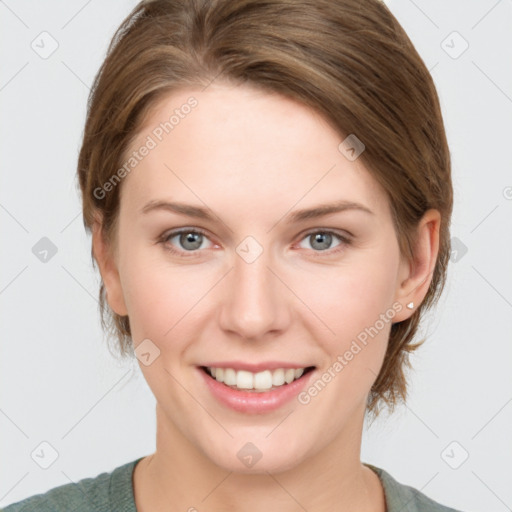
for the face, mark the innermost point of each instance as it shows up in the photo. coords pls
(230, 276)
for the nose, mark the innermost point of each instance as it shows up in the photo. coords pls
(255, 304)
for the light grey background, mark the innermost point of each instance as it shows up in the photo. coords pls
(59, 383)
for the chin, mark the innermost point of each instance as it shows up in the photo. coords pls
(256, 457)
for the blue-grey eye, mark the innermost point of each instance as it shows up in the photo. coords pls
(190, 240)
(322, 240)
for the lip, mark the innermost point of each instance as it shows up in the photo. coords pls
(255, 367)
(252, 402)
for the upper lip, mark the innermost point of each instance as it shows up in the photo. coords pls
(256, 367)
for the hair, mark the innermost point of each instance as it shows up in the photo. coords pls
(349, 60)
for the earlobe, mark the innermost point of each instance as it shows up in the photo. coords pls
(108, 270)
(415, 277)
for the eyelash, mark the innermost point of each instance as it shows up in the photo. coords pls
(345, 241)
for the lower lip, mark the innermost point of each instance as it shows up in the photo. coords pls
(252, 402)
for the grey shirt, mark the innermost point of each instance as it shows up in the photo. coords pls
(113, 492)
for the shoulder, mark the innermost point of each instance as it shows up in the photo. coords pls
(88, 495)
(406, 498)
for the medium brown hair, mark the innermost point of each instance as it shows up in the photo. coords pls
(350, 60)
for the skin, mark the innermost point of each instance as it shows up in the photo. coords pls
(252, 158)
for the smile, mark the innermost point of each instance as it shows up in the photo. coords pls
(261, 381)
(257, 392)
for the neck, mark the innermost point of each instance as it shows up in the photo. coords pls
(180, 477)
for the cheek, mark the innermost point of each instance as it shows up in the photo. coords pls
(160, 297)
(356, 312)
(353, 297)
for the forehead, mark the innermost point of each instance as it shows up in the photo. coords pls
(241, 144)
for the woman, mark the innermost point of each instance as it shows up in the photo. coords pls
(268, 189)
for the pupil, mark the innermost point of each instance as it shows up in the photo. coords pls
(324, 239)
(191, 238)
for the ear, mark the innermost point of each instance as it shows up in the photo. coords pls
(414, 277)
(108, 269)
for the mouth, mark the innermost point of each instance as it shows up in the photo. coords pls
(264, 381)
(257, 392)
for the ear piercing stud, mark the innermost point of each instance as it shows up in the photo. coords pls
(410, 305)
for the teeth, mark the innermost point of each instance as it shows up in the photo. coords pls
(289, 375)
(278, 377)
(244, 380)
(261, 381)
(229, 376)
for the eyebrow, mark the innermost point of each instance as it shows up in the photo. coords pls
(296, 216)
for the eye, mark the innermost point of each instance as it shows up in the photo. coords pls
(188, 240)
(321, 241)
(191, 240)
